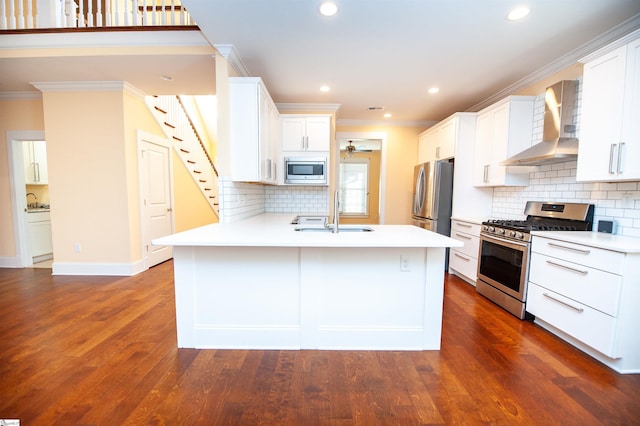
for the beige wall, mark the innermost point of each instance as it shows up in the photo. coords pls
(93, 174)
(89, 170)
(401, 156)
(15, 115)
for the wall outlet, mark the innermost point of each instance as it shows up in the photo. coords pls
(77, 247)
(405, 263)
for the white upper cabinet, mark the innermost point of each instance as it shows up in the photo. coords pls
(302, 133)
(438, 142)
(503, 130)
(254, 132)
(609, 148)
(35, 162)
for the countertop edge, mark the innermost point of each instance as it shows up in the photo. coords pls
(619, 243)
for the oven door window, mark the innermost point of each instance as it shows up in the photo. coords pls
(503, 264)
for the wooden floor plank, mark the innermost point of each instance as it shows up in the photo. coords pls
(102, 351)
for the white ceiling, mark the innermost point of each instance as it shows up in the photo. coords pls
(383, 53)
(389, 52)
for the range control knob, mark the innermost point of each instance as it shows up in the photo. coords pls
(500, 231)
(492, 229)
(512, 234)
(520, 235)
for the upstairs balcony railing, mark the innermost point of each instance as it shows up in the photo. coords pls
(45, 14)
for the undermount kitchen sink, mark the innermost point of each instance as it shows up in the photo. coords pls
(341, 229)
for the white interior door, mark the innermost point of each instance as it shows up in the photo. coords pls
(156, 198)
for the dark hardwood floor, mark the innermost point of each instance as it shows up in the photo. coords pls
(102, 351)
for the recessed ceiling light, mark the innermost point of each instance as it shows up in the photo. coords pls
(328, 8)
(324, 88)
(387, 115)
(434, 90)
(518, 13)
(166, 77)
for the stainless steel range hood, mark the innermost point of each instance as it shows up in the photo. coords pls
(558, 137)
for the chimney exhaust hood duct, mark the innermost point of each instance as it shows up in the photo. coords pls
(558, 135)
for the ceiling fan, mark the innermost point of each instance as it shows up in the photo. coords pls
(351, 148)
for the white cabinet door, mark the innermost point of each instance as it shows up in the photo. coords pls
(610, 124)
(35, 163)
(306, 133)
(601, 121)
(446, 139)
(438, 142)
(504, 129)
(253, 152)
(483, 154)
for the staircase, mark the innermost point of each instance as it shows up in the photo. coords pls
(179, 129)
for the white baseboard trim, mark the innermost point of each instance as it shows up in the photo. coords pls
(109, 269)
(9, 262)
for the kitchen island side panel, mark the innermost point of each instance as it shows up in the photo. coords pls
(309, 298)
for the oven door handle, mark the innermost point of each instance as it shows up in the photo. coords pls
(504, 241)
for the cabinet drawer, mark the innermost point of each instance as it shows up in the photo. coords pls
(465, 227)
(579, 321)
(38, 216)
(464, 264)
(592, 287)
(471, 243)
(605, 260)
(468, 234)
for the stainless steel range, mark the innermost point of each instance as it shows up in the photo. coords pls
(503, 269)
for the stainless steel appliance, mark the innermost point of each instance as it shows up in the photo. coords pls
(559, 142)
(432, 190)
(305, 170)
(503, 269)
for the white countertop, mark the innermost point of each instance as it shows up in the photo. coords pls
(613, 242)
(275, 230)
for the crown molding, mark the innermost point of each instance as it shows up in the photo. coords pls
(20, 96)
(229, 52)
(86, 86)
(577, 55)
(306, 107)
(385, 123)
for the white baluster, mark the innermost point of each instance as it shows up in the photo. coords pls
(30, 14)
(3, 16)
(99, 16)
(108, 12)
(20, 14)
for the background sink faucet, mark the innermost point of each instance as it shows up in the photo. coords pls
(34, 196)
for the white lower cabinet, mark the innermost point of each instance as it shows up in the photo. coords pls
(39, 229)
(463, 261)
(588, 296)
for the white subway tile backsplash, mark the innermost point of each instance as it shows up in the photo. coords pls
(242, 200)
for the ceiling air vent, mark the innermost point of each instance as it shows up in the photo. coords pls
(375, 108)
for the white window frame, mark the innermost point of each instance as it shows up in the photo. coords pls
(355, 160)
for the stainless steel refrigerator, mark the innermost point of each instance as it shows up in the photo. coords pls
(432, 191)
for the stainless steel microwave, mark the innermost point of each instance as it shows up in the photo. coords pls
(305, 170)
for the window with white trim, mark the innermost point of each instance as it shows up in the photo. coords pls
(354, 186)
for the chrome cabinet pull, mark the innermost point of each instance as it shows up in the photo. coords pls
(455, 253)
(620, 157)
(577, 271)
(465, 225)
(466, 237)
(570, 248)
(580, 310)
(611, 155)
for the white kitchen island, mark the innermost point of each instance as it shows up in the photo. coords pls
(259, 284)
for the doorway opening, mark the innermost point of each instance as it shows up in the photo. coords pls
(30, 200)
(361, 177)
